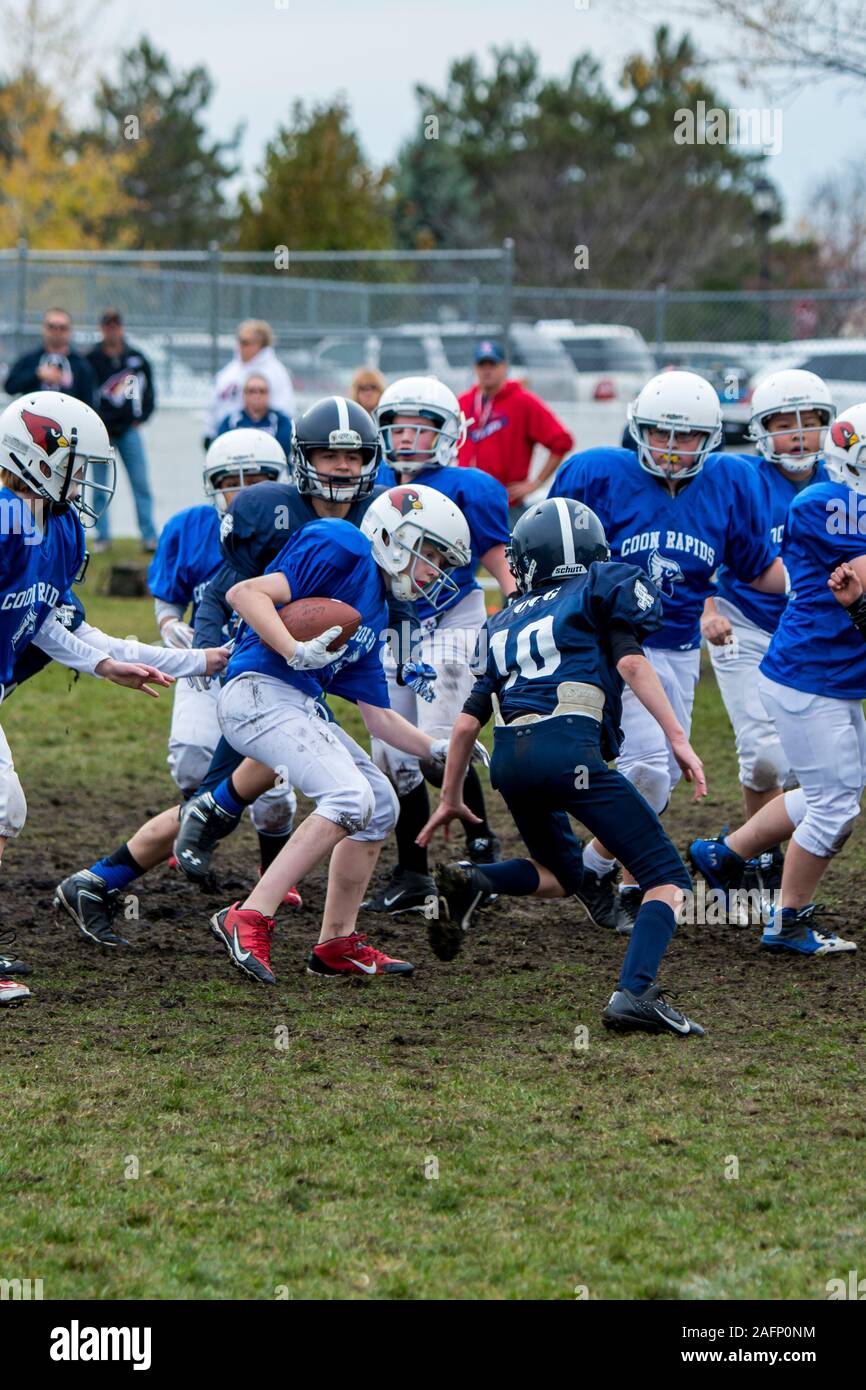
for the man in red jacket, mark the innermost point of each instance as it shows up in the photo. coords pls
(507, 423)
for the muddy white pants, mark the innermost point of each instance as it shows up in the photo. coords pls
(646, 759)
(762, 762)
(13, 806)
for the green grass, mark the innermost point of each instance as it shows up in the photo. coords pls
(281, 1138)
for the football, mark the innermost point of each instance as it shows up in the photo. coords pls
(308, 617)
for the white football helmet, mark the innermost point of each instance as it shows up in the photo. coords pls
(845, 449)
(48, 439)
(399, 522)
(789, 392)
(431, 399)
(243, 453)
(679, 403)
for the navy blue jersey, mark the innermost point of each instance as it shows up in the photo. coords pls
(328, 559)
(719, 518)
(778, 491)
(559, 634)
(187, 556)
(36, 570)
(816, 647)
(484, 503)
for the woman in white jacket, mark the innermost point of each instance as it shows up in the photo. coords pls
(254, 354)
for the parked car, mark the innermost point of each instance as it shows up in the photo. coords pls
(841, 362)
(730, 369)
(446, 351)
(612, 361)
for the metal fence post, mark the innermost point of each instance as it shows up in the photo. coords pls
(507, 292)
(214, 269)
(661, 316)
(21, 296)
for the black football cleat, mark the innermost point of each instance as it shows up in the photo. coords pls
(8, 964)
(462, 890)
(405, 891)
(202, 825)
(627, 908)
(600, 901)
(91, 906)
(647, 1013)
(484, 849)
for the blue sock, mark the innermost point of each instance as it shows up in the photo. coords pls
(654, 926)
(516, 878)
(118, 869)
(225, 796)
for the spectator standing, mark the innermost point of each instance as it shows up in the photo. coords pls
(254, 352)
(125, 399)
(507, 423)
(257, 414)
(55, 366)
(367, 386)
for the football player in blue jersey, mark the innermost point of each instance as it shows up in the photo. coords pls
(335, 459)
(812, 682)
(552, 666)
(411, 539)
(48, 441)
(678, 510)
(187, 558)
(421, 427)
(791, 412)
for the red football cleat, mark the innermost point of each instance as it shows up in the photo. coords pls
(13, 992)
(246, 936)
(349, 955)
(172, 861)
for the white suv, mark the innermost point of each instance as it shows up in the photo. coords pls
(841, 362)
(612, 361)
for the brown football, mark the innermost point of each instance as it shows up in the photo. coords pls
(309, 617)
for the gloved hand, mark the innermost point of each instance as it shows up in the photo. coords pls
(418, 676)
(439, 753)
(176, 633)
(314, 654)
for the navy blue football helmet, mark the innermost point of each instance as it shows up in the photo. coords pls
(555, 539)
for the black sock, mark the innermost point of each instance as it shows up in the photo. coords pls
(269, 847)
(414, 814)
(474, 798)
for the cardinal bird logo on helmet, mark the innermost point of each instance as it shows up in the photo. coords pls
(45, 432)
(405, 500)
(843, 435)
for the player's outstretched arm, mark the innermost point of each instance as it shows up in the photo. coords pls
(451, 806)
(83, 650)
(640, 675)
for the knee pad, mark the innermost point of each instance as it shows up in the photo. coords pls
(274, 812)
(402, 770)
(827, 824)
(653, 783)
(762, 772)
(13, 805)
(351, 807)
(386, 808)
(188, 765)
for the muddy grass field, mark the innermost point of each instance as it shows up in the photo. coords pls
(175, 1131)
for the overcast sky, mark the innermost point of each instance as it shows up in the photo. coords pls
(263, 54)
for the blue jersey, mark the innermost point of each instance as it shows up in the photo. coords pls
(187, 556)
(778, 490)
(528, 650)
(718, 518)
(328, 559)
(816, 647)
(484, 503)
(36, 570)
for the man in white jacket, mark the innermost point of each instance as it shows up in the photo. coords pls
(254, 354)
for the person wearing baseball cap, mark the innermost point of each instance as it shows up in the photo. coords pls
(506, 423)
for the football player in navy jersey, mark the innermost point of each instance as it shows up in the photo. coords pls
(791, 411)
(335, 458)
(411, 539)
(812, 682)
(48, 441)
(551, 666)
(421, 427)
(678, 510)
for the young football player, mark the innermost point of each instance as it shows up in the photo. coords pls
(791, 411)
(47, 443)
(812, 682)
(187, 557)
(552, 666)
(421, 427)
(678, 511)
(410, 539)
